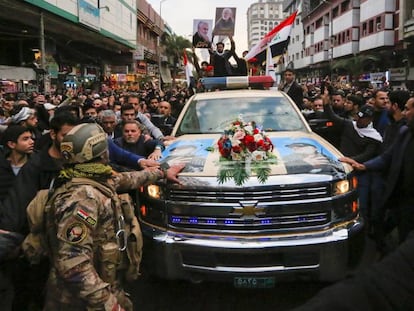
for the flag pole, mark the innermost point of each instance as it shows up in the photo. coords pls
(270, 66)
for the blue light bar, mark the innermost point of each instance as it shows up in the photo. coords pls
(237, 82)
(175, 219)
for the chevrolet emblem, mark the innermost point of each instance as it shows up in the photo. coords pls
(248, 208)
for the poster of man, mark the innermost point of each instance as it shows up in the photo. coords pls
(193, 154)
(225, 21)
(202, 33)
(304, 155)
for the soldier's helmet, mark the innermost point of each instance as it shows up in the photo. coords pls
(84, 143)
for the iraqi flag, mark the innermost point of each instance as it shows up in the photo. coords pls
(277, 38)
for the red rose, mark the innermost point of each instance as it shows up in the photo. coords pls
(256, 131)
(224, 145)
(237, 149)
(248, 139)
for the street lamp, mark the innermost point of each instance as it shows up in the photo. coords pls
(159, 45)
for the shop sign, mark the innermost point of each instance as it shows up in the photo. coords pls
(89, 14)
(397, 74)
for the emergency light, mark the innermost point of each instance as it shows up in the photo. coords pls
(237, 82)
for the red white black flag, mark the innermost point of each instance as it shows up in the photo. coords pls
(277, 38)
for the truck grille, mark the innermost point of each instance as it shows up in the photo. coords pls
(271, 194)
(273, 208)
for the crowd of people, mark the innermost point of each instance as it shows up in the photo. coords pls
(373, 128)
(365, 125)
(135, 128)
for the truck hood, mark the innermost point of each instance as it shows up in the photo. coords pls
(296, 153)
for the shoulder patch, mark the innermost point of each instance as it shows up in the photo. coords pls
(75, 232)
(84, 216)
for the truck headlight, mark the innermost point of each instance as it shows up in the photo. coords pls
(341, 187)
(155, 192)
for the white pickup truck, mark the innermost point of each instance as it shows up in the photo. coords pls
(298, 220)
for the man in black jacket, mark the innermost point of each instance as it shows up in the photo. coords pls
(220, 59)
(292, 88)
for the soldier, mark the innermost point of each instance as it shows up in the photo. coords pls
(93, 237)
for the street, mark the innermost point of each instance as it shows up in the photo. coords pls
(151, 294)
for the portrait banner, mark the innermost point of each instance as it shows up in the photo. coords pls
(225, 21)
(202, 33)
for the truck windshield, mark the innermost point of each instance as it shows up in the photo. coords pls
(214, 115)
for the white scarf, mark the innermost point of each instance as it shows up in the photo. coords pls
(368, 131)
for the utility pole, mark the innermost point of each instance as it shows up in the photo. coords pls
(159, 46)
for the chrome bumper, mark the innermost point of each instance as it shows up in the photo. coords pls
(177, 255)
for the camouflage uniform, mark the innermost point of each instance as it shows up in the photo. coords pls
(84, 247)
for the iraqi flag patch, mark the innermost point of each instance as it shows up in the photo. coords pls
(81, 214)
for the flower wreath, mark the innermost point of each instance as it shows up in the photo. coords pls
(244, 149)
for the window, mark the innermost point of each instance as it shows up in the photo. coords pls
(371, 26)
(318, 23)
(335, 12)
(378, 23)
(345, 6)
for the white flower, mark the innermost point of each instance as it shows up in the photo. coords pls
(235, 142)
(248, 129)
(258, 137)
(239, 134)
(258, 155)
(236, 156)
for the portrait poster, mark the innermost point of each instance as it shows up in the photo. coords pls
(225, 21)
(202, 33)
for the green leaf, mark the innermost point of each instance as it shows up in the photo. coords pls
(262, 174)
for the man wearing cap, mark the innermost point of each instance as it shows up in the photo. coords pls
(360, 142)
(27, 117)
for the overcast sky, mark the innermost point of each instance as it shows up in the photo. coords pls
(179, 15)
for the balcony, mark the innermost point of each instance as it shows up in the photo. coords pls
(409, 30)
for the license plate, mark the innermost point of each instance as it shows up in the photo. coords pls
(251, 282)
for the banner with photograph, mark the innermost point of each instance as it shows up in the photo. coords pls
(225, 21)
(202, 32)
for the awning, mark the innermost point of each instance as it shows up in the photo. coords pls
(17, 73)
(166, 74)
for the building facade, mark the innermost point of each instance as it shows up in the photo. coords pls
(150, 59)
(262, 17)
(83, 40)
(327, 31)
